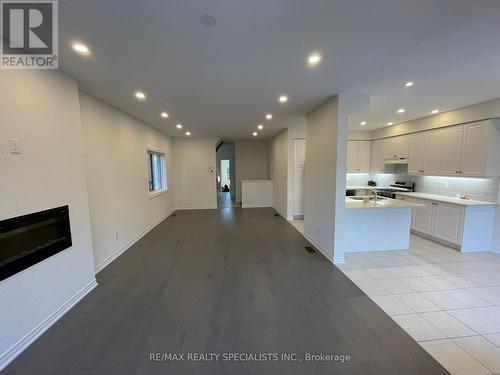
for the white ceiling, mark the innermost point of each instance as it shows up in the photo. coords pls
(229, 76)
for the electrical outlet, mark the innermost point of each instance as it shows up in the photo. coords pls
(446, 185)
(116, 235)
(317, 232)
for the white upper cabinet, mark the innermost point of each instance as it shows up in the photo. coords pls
(378, 155)
(416, 153)
(358, 156)
(364, 156)
(400, 146)
(451, 150)
(474, 150)
(432, 152)
(470, 150)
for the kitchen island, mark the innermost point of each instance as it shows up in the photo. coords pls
(377, 226)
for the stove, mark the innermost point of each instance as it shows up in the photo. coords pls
(397, 187)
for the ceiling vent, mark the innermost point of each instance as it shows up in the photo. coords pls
(208, 20)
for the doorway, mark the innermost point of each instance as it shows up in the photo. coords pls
(226, 186)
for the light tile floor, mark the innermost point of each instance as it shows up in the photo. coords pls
(448, 301)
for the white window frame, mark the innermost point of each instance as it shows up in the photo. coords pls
(164, 170)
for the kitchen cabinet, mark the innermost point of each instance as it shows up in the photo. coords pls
(466, 226)
(378, 155)
(448, 220)
(451, 150)
(416, 150)
(358, 156)
(400, 146)
(422, 217)
(432, 152)
(474, 154)
(470, 150)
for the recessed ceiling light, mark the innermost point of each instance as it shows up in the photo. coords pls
(178, 126)
(283, 98)
(314, 59)
(140, 95)
(362, 123)
(390, 123)
(164, 115)
(81, 48)
(260, 127)
(269, 116)
(401, 110)
(254, 134)
(409, 84)
(188, 133)
(435, 111)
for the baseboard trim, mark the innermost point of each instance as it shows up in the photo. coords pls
(257, 206)
(10, 354)
(288, 218)
(197, 208)
(121, 250)
(495, 249)
(319, 247)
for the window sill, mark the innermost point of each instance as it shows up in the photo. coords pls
(154, 194)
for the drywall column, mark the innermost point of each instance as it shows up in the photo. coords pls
(325, 173)
(496, 234)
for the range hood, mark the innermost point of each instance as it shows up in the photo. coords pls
(400, 160)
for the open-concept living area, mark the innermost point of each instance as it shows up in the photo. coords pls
(250, 187)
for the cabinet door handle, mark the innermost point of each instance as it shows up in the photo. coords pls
(460, 172)
(456, 171)
(434, 203)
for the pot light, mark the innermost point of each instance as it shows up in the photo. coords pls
(390, 123)
(188, 133)
(260, 127)
(140, 95)
(81, 48)
(409, 84)
(401, 110)
(314, 59)
(254, 134)
(178, 126)
(434, 111)
(362, 123)
(269, 116)
(283, 99)
(164, 115)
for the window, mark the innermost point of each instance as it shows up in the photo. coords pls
(157, 171)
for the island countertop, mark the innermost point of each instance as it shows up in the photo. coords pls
(445, 199)
(385, 203)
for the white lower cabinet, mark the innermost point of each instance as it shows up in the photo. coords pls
(437, 219)
(448, 222)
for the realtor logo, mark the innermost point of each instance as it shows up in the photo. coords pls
(29, 34)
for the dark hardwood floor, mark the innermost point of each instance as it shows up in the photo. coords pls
(223, 281)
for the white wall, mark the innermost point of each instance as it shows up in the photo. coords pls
(496, 234)
(41, 108)
(117, 178)
(320, 183)
(279, 167)
(195, 173)
(251, 162)
(296, 130)
(326, 159)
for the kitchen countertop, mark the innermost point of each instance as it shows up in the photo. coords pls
(445, 199)
(385, 203)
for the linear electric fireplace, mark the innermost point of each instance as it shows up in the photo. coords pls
(29, 239)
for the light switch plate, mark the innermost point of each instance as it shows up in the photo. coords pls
(14, 146)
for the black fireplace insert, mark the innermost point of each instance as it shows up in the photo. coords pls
(29, 239)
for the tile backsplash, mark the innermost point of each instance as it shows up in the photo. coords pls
(484, 189)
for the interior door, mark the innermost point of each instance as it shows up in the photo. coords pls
(299, 160)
